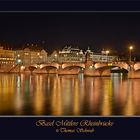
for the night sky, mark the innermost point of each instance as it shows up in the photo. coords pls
(113, 31)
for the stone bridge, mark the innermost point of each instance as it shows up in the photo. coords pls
(91, 69)
(104, 69)
(57, 66)
(121, 65)
(52, 67)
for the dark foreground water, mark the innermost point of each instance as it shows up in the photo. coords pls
(42, 94)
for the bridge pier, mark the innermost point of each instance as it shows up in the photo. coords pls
(106, 72)
(88, 72)
(94, 72)
(134, 71)
(133, 74)
(68, 72)
(51, 71)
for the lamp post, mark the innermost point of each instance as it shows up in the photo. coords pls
(38, 59)
(56, 57)
(19, 63)
(130, 53)
(107, 52)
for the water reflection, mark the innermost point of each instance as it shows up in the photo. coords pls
(42, 94)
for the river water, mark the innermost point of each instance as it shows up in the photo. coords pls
(42, 94)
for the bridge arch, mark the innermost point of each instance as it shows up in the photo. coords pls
(104, 69)
(75, 65)
(121, 65)
(136, 66)
(50, 65)
(32, 67)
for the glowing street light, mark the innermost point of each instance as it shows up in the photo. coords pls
(38, 59)
(107, 52)
(19, 61)
(56, 57)
(130, 52)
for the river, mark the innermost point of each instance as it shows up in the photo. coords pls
(73, 95)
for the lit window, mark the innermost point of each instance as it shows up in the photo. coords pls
(26, 53)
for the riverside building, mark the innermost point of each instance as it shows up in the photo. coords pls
(69, 54)
(104, 56)
(7, 58)
(29, 57)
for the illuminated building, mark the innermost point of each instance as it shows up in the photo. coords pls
(7, 58)
(29, 57)
(69, 54)
(100, 57)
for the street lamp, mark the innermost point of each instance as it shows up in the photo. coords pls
(130, 52)
(38, 54)
(107, 52)
(56, 57)
(19, 61)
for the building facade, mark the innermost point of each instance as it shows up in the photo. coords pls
(7, 57)
(69, 54)
(29, 57)
(104, 56)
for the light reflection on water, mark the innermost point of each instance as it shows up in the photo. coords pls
(42, 94)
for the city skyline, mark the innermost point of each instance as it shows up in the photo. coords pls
(113, 31)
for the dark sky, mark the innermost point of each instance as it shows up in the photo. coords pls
(114, 31)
